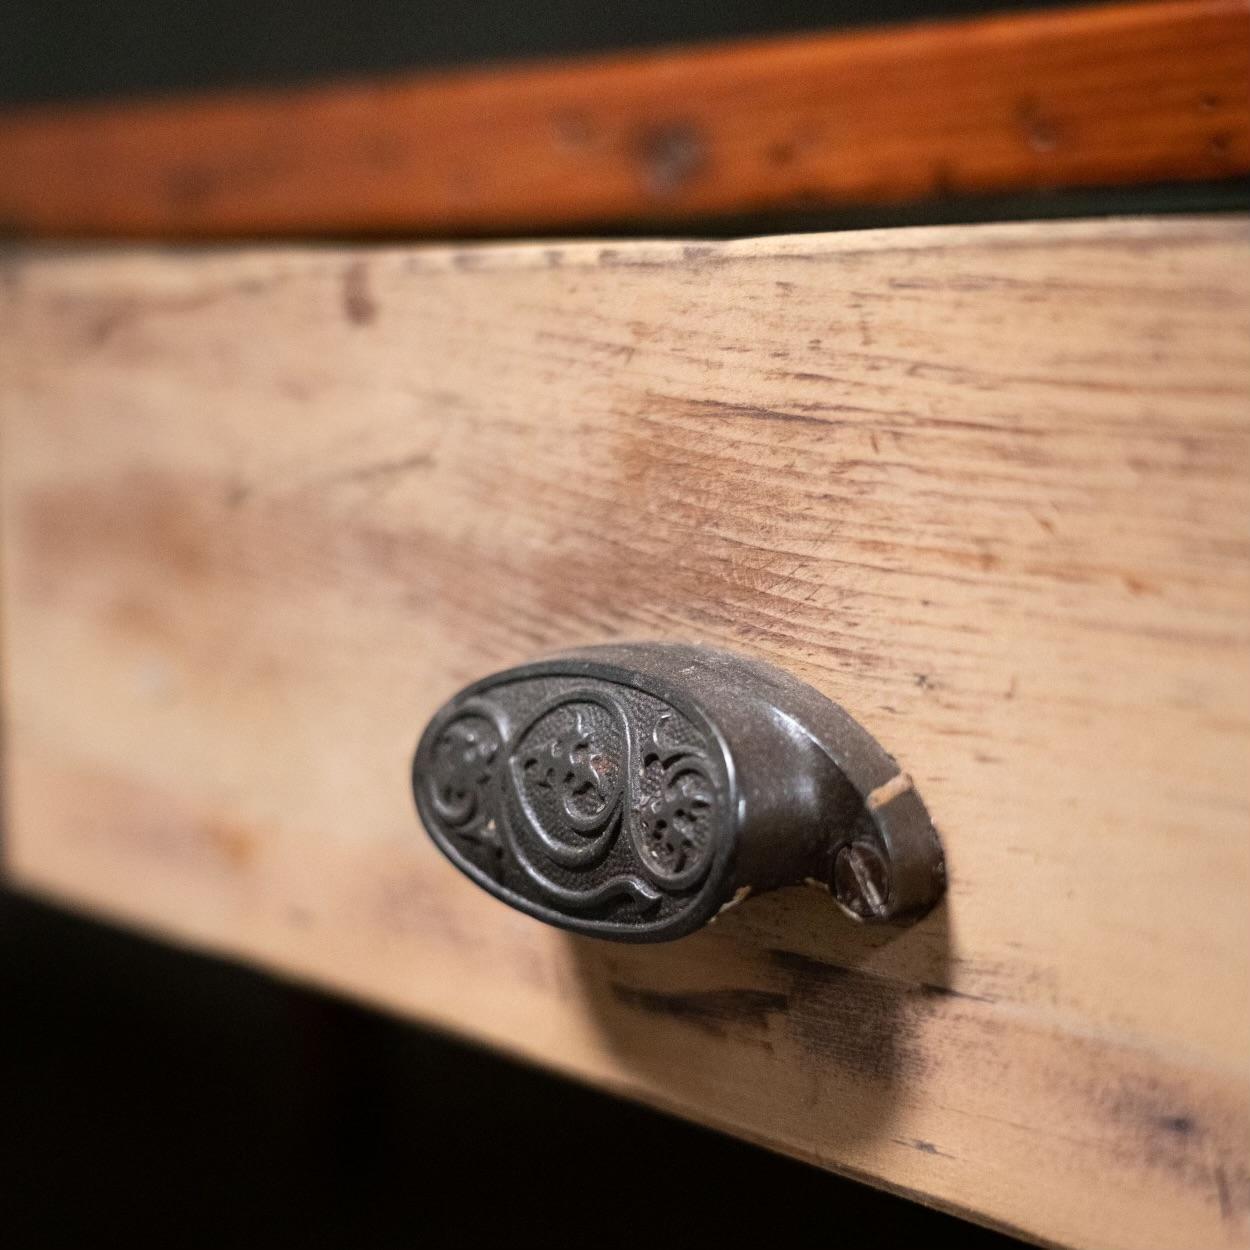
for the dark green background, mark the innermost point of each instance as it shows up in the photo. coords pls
(61, 49)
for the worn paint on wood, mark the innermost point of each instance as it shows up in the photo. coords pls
(263, 510)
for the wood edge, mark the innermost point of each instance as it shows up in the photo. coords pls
(526, 255)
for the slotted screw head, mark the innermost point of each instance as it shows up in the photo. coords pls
(861, 881)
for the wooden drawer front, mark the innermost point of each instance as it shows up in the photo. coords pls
(988, 487)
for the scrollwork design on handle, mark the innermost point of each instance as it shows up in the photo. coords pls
(579, 775)
(570, 768)
(635, 791)
(674, 827)
(552, 798)
(462, 776)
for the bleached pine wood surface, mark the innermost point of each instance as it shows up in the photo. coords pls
(989, 487)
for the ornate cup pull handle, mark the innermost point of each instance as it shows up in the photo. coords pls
(632, 792)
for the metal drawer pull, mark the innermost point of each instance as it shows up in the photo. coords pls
(633, 792)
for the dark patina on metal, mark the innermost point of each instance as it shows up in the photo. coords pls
(634, 791)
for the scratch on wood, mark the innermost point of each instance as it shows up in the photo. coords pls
(378, 469)
(925, 1147)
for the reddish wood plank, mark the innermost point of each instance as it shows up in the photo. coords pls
(1099, 96)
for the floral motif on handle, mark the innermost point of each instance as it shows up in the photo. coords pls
(567, 779)
(600, 803)
(572, 764)
(673, 829)
(463, 772)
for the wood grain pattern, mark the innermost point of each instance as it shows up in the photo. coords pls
(988, 487)
(1119, 94)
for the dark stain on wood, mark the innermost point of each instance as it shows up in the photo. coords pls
(671, 155)
(1041, 131)
(237, 493)
(1198, 1141)
(359, 305)
(852, 1018)
(714, 1011)
(925, 1147)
